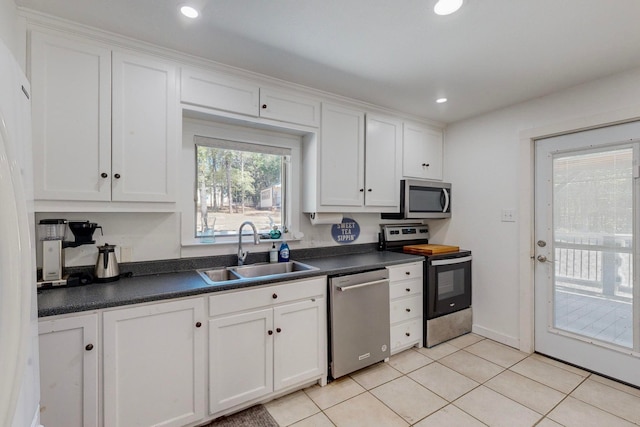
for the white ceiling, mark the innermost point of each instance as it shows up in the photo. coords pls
(394, 53)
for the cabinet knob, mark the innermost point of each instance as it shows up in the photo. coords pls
(104, 174)
(270, 332)
(408, 273)
(274, 296)
(362, 190)
(426, 165)
(198, 324)
(264, 106)
(408, 310)
(408, 289)
(369, 190)
(116, 176)
(407, 334)
(278, 330)
(89, 347)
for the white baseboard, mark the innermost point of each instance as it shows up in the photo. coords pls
(496, 336)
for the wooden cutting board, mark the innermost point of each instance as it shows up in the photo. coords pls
(429, 249)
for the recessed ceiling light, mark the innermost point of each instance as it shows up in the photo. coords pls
(189, 12)
(441, 100)
(447, 7)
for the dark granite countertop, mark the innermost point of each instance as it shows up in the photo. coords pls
(155, 287)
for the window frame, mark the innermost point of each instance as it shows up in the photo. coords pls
(232, 132)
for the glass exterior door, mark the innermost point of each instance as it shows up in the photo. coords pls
(586, 268)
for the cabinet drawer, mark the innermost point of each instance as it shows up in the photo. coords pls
(406, 308)
(406, 288)
(247, 299)
(405, 271)
(406, 333)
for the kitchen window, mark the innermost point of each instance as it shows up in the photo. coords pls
(270, 198)
(237, 182)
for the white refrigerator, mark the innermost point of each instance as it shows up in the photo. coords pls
(19, 368)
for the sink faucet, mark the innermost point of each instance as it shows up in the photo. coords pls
(256, 239)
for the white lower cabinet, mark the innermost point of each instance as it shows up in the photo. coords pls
(265, 340)
(406, 305)
(69, 350)
(154, 364)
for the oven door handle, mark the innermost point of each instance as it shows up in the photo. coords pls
(362, 285)
(450, 261)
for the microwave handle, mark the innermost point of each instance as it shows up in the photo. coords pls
(446, 200)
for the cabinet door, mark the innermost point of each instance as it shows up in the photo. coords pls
(240, 358)
(383, 142)
(300, 346)
(145, 140)
(69, 371)
(422, 152)
(289, 107)
(71, 105)
(341, 156)
(154, 364)
(219, 91)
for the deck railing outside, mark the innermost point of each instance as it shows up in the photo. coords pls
(595, 264)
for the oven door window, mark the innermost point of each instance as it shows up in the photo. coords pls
(449, 288)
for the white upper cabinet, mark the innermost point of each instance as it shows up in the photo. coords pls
(104, 129)
(71, 109)
(144, 129)
(341, 156)
(237, 95)
(289, 107)
(359, 160)
(422, 152)
(219, 91)
(382, 161)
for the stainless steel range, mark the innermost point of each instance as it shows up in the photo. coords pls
(447, 283)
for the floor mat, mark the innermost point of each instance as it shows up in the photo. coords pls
(256, 416)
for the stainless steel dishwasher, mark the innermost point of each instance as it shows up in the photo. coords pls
(358, 321)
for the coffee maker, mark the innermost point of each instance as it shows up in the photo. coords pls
(52, 232)
(51, 235)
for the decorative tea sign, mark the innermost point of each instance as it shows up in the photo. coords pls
(345, 232)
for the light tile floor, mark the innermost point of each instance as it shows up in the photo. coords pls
(468, 381)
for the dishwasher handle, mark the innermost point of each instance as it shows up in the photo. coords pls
(362, 285)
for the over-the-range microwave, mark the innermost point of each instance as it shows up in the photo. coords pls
(423, 200)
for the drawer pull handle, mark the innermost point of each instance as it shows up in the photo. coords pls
(278, 330)
(89, 347)
(408, 334)
(270, 332)
(274, 296)
(408, 289)
(408, 310)
(198, 324)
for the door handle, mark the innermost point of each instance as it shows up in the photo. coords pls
(361, 285)
(543, 258)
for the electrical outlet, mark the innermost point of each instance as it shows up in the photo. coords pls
(126, 253)
(508, 215)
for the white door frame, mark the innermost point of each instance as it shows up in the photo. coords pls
(526, 204)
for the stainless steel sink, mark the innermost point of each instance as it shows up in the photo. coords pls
(267, 269)
(218, 275)
(253, 271)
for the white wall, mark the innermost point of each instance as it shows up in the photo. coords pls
(482, 161)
